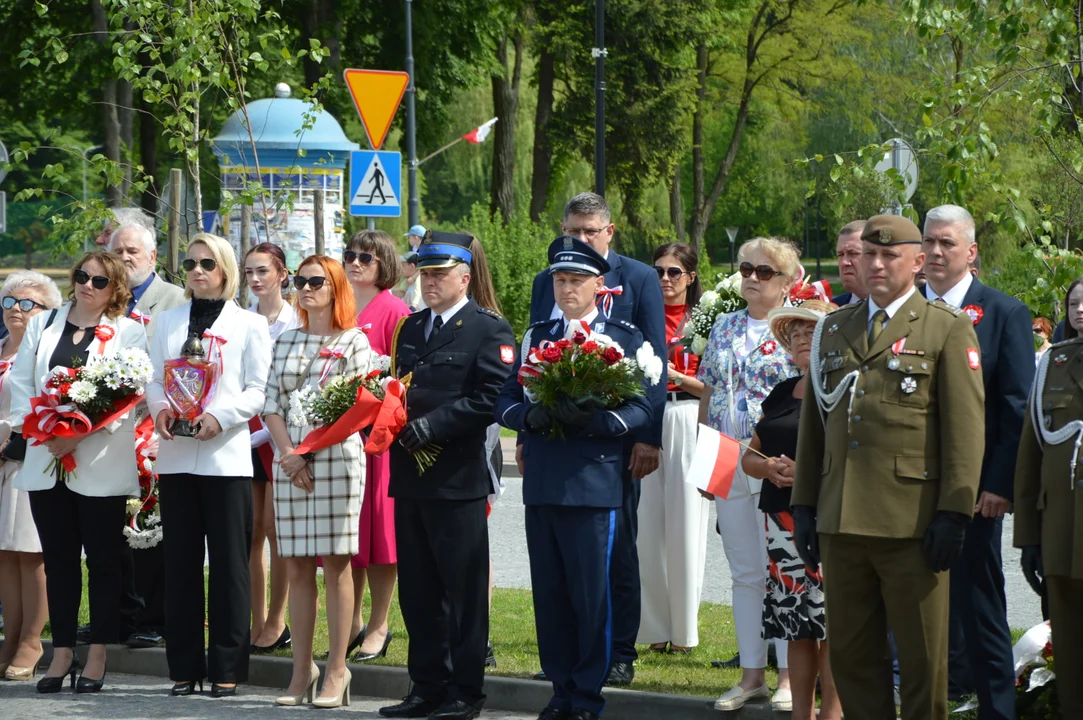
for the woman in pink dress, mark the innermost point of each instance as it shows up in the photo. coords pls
(372, 266)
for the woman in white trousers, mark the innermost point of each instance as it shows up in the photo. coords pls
(672, 538)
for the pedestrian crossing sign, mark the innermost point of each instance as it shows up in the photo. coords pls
(375, 183)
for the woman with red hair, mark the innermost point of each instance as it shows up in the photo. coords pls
(317, 496)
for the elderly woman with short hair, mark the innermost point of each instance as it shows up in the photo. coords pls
(22, 571)
(740, 366)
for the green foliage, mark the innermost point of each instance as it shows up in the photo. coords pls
(1039, 275)
(335, 398)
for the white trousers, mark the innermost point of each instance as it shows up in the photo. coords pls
(672, 536)
(743, 539)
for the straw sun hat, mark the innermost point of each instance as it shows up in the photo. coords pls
(782, 319)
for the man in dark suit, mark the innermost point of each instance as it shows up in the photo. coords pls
(980, 640)
(848, 251)
(631, 292)
(459, 355)
(573, 489)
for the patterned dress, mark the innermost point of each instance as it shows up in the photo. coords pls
(325, 521)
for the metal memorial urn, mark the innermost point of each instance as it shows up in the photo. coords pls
(189, 382)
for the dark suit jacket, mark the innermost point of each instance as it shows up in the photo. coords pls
(1058, 333)
(640, 303)
(843, 299)
(1007, 359)
(585, 468)
(456, 379)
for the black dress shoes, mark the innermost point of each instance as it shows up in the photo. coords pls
(412, 706)
(86, 685)
(551, 713)
(142, 639)
(455, 710)
(365, 657)
(221, 691)
(581, 714)
(540, 676)
(284, 641)
(358, 639)
(621, 674)
(490, 657)
(184, 689)
(735, 661)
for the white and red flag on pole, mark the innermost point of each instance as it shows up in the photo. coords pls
(715, 462)
(478, 134)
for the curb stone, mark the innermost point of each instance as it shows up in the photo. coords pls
(503, 693)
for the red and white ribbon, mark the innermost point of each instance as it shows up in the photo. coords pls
(332, 356)
(140, 317)
(5, 366)
(104, 333)
(52, 411)
(214, 352)
(605, 298)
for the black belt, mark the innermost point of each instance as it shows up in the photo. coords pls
(680, 395)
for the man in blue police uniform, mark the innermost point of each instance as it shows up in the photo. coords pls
(573, 489)
(980, 652)
(630, 292)
(459, 355)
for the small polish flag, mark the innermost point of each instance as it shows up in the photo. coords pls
(714, 463)
(478, 134)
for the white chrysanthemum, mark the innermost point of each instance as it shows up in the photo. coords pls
(300, 407)
(82, 391)
(699, 345)
(382, 363)
(603, 340)
(709, 298)
(649, 363)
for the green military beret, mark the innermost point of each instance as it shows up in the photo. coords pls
(891, 230)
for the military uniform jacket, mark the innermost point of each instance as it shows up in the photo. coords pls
(585, 468)
(456, 379)
(1048, 509)
(908, 439)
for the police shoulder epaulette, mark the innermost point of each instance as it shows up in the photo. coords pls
(840, 308)
(622, 323)
(490, 313)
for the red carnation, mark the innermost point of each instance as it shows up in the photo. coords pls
(590, 346)
(612, 356)
(551, 354)
(64, 388)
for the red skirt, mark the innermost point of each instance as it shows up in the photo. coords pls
(376, 541)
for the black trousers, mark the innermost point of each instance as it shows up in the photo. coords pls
(980, 641)
(149, 584)
(443, 553)
(217, 511)
(67, 523)
(624, 576)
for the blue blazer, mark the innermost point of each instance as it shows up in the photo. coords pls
(640, 303)
(585, 468)
(1007, 358)
(843, 299)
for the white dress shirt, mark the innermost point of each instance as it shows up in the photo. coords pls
(587, 319)
(446, 315)
(953, 297)
(891, 309)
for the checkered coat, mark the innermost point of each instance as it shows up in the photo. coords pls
(325, 521)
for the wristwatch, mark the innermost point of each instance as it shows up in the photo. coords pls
(678, 380)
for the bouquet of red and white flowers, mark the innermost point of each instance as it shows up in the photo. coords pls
(588, 367)
(144, 528)
(78, 401)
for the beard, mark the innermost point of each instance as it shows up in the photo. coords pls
(139, 276)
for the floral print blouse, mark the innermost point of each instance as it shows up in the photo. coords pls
(740, 380)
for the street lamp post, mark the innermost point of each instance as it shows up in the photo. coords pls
(732, 232)
(83, 154)
(599, 53)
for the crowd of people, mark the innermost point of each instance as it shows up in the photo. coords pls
(884, 435)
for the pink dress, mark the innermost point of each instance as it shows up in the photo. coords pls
(377, 538)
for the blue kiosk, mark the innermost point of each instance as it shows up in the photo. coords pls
(291, 163)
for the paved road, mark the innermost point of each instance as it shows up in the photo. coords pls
(135, 697)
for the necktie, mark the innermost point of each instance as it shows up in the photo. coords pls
(437, 323)
(879, 319)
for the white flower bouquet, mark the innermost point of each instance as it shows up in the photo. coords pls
(725, 298)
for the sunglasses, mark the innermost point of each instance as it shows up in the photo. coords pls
(82, 277)
(673, 273)
(365, 258)
(763, 272)
(208, 264)
(25, 304)
(299, 282)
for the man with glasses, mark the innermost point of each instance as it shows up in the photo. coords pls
(135, 245)
(848, 251)
(633, 294)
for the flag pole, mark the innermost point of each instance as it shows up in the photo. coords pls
(432, 155)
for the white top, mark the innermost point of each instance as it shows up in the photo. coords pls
(287, 319)
(955, 295)
(446, 315)
(892, 308)
(586, 319)
(754, 333)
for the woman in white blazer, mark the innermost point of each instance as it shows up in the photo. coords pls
(88, 511)
(205, 482)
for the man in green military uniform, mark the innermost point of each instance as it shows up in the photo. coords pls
(888, 461)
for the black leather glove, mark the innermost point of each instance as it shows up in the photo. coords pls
(538, 419)
(804, 535)
(1033, 570)
(416, 435)
(574, 414)
(944, 540)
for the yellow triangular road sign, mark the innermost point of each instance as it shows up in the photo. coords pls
(376, 94)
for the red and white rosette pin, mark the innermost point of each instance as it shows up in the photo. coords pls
(330, 355)
(104, 333)
(975, 313)
(769, 347)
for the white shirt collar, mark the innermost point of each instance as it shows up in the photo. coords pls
(447, 314)
(893, 307)
(955, 295)
(587, 319)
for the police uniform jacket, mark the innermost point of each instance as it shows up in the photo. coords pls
(1048, 500)
(586, 467)
(456, 379)
(908, 441)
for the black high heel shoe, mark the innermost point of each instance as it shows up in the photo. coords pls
(86, 685)
(218, 691)
(184, 689)
(356, 642)
(284, 641)
(48, 685)
(365, 657)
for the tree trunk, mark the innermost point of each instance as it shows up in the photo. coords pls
(543, 149)
(127, 151)
(109, 116)
(676, 207)
(506, 106)
(697, 145)
(323, 23)
(148, 157)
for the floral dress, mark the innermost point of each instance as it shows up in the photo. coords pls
(325, 521)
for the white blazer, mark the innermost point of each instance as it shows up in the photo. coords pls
(105, 459)
(246, 359)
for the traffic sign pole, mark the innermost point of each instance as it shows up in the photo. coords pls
(411, 136)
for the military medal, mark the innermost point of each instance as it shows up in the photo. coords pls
(833, 329)
(909, 385)
(1060, 359)
(893, 364)
(898, 345)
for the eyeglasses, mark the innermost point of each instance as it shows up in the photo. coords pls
(763, 272)
(365, 258)
(25, 304)
(673, 273)
(208, 264)
(82, 277)
(584, 232)
(299, 282)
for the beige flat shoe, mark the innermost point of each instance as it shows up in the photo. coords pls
(736, 697)
(782, 700)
